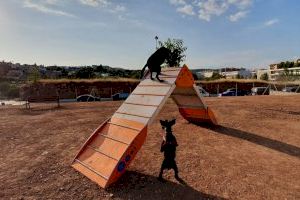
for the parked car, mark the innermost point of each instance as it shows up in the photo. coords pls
(234, 92)
(291, 89)
(87, 97)
(120, 96)
(203, 93)
(260, 91)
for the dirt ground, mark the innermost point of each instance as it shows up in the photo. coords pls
(253, 154)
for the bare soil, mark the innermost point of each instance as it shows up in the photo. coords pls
(253, 154)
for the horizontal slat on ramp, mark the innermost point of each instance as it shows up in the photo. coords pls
(149, 82)
(142, 120)
(152, 90)
(100, 163)
(128, 123)
(170, 73)
(91, 174)
(118, 133)
(109, 147)
(144, 99)
(137, 110)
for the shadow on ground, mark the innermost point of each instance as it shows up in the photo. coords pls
(135, 185)
(259, 140)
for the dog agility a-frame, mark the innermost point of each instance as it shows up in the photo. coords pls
(113, 145)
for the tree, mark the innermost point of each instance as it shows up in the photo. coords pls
(264, 76)
(177, 49)
(34, 74)
(85, 72)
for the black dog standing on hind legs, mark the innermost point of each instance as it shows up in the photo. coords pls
(155, 60)
(168, 146)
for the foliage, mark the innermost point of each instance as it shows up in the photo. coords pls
(85, 72)
(215, 76)
(264, 76)
(177, 49)
(287, 64)
(8, 90)
(34, 74)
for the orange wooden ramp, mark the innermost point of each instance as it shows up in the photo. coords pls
(109, 150)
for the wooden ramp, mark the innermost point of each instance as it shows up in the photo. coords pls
(114, 144)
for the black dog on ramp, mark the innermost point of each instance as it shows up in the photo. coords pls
(155, 60)
(168, 146)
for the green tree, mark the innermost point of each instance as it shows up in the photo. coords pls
(34, 74)
(177, 49)
(85, 72)
(264, 76)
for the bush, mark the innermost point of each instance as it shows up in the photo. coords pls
(8, 90)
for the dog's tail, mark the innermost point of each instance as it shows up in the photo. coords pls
(142, 72)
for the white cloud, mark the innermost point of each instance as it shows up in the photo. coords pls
(271, 22)
(52, 2)
(210, 8)
(42, 6)
(117, 9)
(105, 4)
(241, 4)
(186, 10)
(237, 16)
(178, 2)
(95, 3)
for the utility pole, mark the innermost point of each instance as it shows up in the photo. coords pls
(156, 38)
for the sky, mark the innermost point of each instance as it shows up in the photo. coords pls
(121, 33)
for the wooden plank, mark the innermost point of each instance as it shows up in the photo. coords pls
(169, 80)
(130, 117)
(93, 175)
(119, 133)
(149, 82)
(110, 147)
(101, 152)
(161, 104)
(129, 123)
(151, 90)
(137, 110)
(169, 69)
(100, 163)
(144, 99)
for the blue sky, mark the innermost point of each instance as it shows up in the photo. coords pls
(120, 33)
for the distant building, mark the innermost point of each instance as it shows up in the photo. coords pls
(274, 73)
(246, 74)
(230, 74)
(260, 72)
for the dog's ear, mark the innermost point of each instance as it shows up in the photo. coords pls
(162, 122)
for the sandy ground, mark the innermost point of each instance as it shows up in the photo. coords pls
(253, 154)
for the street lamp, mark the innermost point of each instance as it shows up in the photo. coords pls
(156, 38)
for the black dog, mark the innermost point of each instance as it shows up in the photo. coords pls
(168, 146)
(155, 60)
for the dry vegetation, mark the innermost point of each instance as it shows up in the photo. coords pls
(253, 154)
(108, 79)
